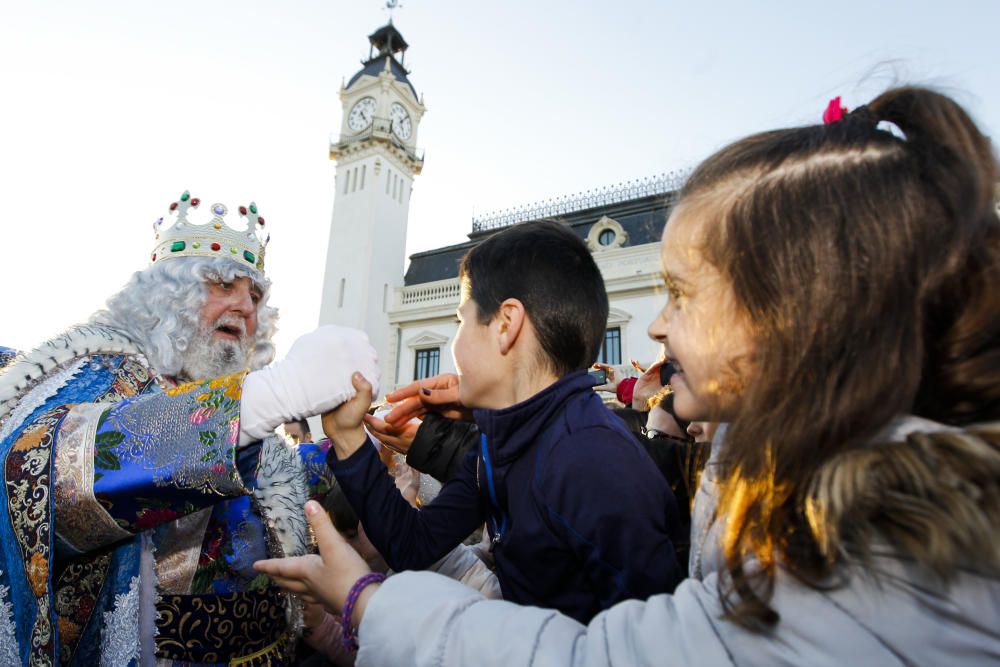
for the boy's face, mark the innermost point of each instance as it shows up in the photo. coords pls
(477, 358)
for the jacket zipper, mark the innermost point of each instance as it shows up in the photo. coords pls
(498, 526)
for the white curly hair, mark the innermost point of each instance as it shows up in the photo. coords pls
(160, 307)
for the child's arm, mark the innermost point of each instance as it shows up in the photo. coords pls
(406, 537)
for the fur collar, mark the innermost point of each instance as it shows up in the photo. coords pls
(27, 370)
(931, 491)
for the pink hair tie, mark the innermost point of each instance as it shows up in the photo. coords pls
(834, 111)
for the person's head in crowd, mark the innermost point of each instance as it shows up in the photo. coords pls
(702, 431)
(822, 281)
(298, 431)
(533, 309)
(661, 418)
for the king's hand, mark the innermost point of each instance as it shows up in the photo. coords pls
(312, 379)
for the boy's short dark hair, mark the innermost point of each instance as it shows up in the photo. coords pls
(550, 270)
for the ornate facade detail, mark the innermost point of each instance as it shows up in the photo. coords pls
(606, 234)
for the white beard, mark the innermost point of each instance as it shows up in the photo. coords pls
(208, 357)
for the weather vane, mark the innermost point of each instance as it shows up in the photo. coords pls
(391, 5)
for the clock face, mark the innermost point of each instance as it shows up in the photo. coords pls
(362, 113)
(401, 124)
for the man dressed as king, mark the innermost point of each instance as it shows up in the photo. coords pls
(140, 475)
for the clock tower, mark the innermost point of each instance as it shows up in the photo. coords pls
(376, 159)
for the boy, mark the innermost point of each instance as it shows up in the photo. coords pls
(578, 515)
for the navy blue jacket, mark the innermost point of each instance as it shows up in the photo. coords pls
(580, 517)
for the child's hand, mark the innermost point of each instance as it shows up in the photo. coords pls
(325, 578)
(646, 387)
(611, 384)
(434, 394)
(343, 424)
(396, 438)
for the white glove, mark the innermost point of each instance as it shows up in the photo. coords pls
(313, 378)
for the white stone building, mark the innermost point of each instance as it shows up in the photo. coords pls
(411, 318)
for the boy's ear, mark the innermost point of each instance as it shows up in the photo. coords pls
(510, 318)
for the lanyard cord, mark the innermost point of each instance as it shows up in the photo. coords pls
(494, 505)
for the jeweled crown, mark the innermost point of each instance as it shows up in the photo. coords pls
(212, 239)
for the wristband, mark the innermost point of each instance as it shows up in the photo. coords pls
(350, 637)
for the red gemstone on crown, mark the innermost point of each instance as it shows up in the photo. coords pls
(195, 201)
(243, 210)
(216, 246)
(154, 256)
(260, 221)
(173, 207)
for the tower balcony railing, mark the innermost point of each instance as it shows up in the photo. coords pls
(380, 129)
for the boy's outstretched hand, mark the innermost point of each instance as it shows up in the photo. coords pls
(326, 578)
(344, 425)
(434, 394)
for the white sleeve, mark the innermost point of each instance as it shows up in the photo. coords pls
(422, 618)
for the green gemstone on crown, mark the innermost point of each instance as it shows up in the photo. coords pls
(248, 256)
(185, 197)
(195, 245)
(253, 208)
(177, 246)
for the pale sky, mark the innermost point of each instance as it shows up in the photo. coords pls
(111, 109)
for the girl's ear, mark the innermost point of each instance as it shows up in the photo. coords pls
(510, 322)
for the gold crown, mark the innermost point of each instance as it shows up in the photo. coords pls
(212, 239)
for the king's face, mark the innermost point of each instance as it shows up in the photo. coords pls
(230, 309)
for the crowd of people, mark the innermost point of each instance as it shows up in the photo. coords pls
(810, 473)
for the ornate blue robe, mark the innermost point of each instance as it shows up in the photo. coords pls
(132, 519)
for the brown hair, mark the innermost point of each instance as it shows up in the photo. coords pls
(867, 266)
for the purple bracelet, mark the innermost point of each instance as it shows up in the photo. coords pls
(350, 637)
